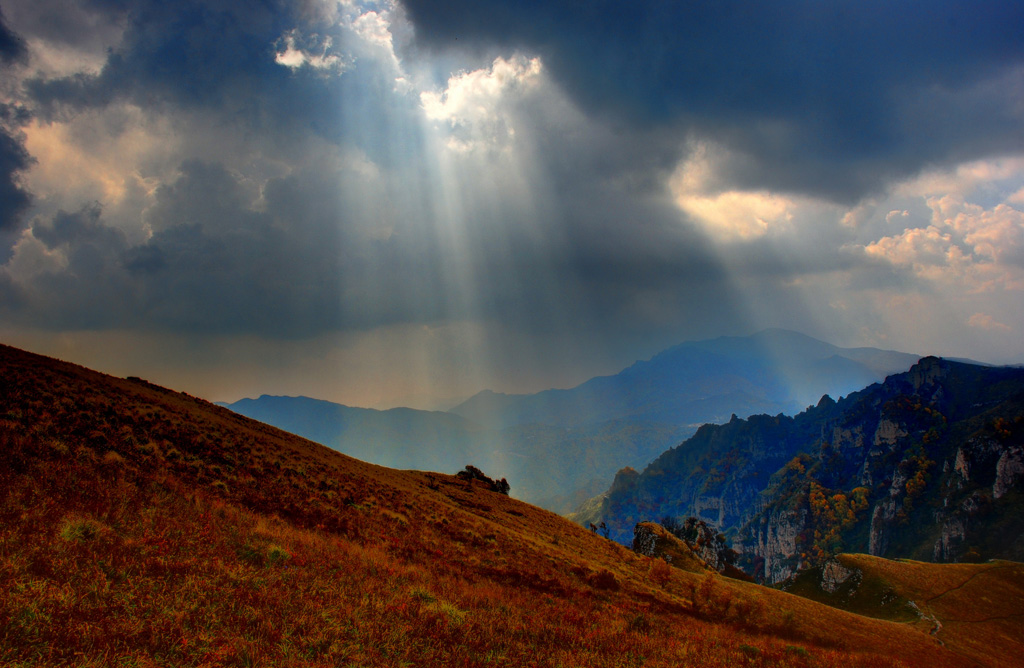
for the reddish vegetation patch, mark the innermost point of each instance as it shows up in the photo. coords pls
(144, 527)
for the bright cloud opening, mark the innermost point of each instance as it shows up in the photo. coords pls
(471, 103)
(726, 214)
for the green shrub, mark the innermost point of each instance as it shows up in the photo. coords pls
(277, 554)
(750, 650)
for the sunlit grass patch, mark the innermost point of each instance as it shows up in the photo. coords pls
(449, 611)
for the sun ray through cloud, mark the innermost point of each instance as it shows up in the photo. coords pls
(473, 200)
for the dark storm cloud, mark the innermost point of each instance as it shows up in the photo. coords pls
(219, 56)
(827, 98)
(215, 264)
(212, 265)
(14, 159)
(296, 256)
(89, 290)
(13, 199)
(12, 47)
(303, 263)
(189, 53)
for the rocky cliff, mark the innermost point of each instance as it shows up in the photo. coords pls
(691, 546)
(927, 465)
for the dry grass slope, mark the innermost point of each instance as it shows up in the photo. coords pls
(975, 609)
(144, 527)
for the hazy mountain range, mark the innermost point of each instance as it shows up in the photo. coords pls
(559, 447)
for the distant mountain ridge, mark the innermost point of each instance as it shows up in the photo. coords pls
(773, 371)
(559, 447)
(403, 438)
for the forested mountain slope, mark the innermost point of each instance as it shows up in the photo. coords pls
(926, 465)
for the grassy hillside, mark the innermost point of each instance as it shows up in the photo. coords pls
(143, 527)
(970, 607)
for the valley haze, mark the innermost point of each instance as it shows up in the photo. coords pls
(560, 447)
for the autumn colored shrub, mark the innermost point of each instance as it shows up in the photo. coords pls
(711, 600)
(603, 580)
(660, 572)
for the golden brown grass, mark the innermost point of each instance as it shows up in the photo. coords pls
(142, 527)
(976, 610)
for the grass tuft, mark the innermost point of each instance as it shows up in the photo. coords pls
(448, 611)
(80, 530)
(113, 459)
(277, 554)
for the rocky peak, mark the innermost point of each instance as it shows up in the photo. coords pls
(927, 465)
(1009, 470)
(624, 480)
(926, 373)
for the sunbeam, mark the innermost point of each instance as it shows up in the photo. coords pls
(442, 206)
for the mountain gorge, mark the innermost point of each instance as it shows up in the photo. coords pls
(927, 465)
(560, 447)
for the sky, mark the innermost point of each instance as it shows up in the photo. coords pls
(389, 202)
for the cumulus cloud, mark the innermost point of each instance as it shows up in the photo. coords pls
(470, 105)
(375, 28)
(296, 51)
(928, 251)
(995, 235)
